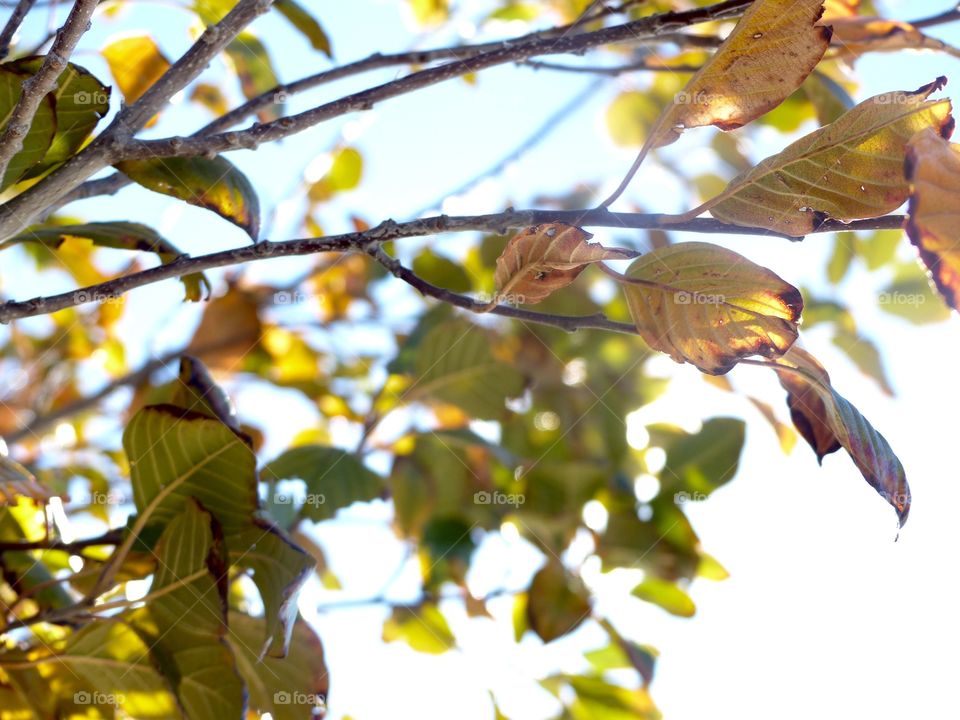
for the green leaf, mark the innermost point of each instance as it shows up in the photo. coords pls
(334, 479)
(292, 688)
(175, 455)
(38, 140)
(424, 628)
(186, 624)
(455, 364)
(842, 257)
(909, 297)
(345, 173)
(253, 66)
(81, 101)
(703, 462)
(441, 271)
(215, 184)
(598, 699)
(306, 24)
(667, 595)
(119, 235)
(665, 545)
(630, 116)
(557, 602)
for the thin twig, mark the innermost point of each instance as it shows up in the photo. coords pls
(111, 537)
(12, 25)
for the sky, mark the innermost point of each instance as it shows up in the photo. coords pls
(827, 613)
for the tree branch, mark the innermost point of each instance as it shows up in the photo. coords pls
(13, 24)
(390, 230)
(111, 537)
(35, 89)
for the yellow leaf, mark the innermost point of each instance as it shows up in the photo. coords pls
(933, 169)
(136, 63)
(709, 306)
(850, 169)
(539, 260)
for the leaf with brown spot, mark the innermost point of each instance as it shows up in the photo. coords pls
(709, 306)
(542, 259)
(933, 169)
(211, 183)
(848, 170)
(828, 421)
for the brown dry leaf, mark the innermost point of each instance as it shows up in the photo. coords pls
(933, 169)
(828, 422)
(854, 36)
(706, 305)
(229, 330)
(540, 260)
(850, 169)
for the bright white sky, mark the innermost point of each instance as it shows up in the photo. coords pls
(824, 616)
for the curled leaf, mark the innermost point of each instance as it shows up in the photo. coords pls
(854, 36)
(706, 305)
(211, 183)
(542, 259)
(828, 422)
(933, 169)
(850, 169)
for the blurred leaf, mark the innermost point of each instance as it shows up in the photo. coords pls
(665, 595)
(441, 271)
(630, 116)
(214, 184)
(346, 170)
(557, 602)
(229, 330)
(306, 24)
(211, 97)
(909, 296)
(430, 12)
(252, 64)
(423, 628)
(702, 462)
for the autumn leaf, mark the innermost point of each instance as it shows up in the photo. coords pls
(933, 169)
(706, 305)
(211, 183)
(557, 603)
(542, 259)
(854, 36)
(850, 169)
(770, 52)
(828, 422)
(136, 63)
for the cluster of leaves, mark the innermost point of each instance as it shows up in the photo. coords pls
(158, 616)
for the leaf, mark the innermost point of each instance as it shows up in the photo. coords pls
(211, 97)
(253, 67)
(910, 296)
(344, 173)
(542, 259)
(423, 628)
(702, 462)
(119, 235)
(186, 624)
(630, 116)
(828, 422)
(229, 330)
(455, 364)
(557, 603)
(709, 306)
(848, 170)
(136, 63)
(770, 52)
(306, 24)
(933, 170)
(291, 688)
(854, 36)
(215, 184)
(80, 102)
(175, 455)
(441, 271)
(666, 595)
(334, 479)
(18, 482)
(37, 142)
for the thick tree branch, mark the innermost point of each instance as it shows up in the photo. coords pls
(19, 212)
(13, 24)
(35, 89)
(390, 230)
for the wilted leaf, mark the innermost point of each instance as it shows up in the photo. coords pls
(850, 169)
(828, 422)
(854, 36)
(306, 24)
(80, 99)
(666, 595)
(933, 169)
(215, 184)
(37, 142)
(334, 479)
(542, 259)
(274, 683)
(557, 603)
(709, 306)
(119, 235)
